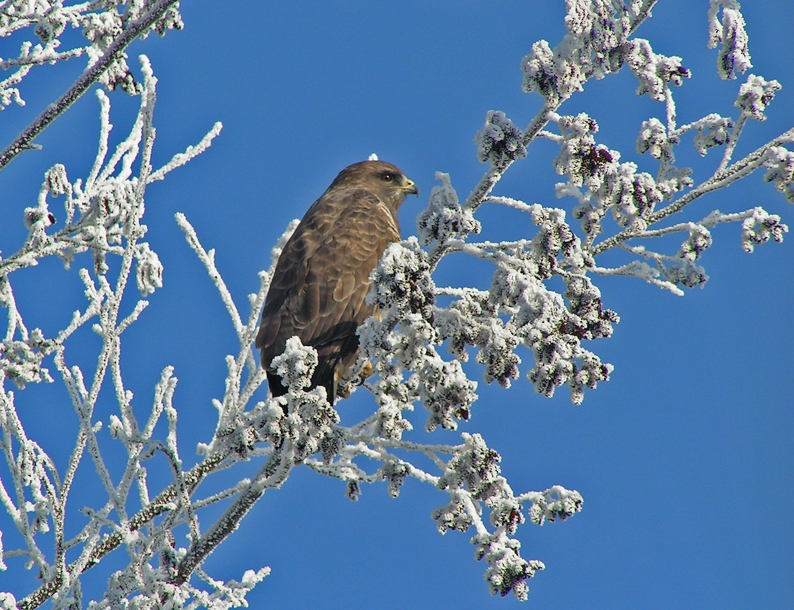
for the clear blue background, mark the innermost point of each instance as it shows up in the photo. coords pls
(685, 458)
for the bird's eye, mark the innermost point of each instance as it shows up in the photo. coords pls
(387, 177)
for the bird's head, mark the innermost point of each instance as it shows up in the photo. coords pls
(386, 180)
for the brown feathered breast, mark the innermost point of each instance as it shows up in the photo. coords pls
(321, 279)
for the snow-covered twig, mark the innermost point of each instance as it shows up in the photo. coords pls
(133, 30)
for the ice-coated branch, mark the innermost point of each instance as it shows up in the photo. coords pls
(721, 178)
(520, 308)
(113, 52)
(272, 474)
(180, 159)
(728, 32)
(164, 502)
(599, 32)
(103, 216)
(470, 474)
(208, 259)
(45, 57)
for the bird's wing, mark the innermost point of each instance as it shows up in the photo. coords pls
(322, 276)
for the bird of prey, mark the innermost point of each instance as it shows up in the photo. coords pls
(321, 279)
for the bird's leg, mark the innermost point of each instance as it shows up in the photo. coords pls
(345, 385)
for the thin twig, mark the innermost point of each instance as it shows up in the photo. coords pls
(719, 180)
(162, 503)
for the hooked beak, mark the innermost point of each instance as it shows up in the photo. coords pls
(410, 187)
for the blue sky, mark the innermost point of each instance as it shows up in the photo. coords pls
(685, 458)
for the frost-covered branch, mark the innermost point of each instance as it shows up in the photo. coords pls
(109, 37)
(521, 308)
(103, 218)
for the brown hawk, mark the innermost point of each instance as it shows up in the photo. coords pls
(321, 279)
